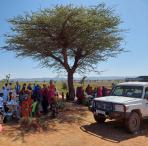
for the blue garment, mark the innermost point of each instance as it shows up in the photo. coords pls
(5, 95)
(36, 93)
(17, 88)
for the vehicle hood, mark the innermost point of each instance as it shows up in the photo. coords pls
(119, 99)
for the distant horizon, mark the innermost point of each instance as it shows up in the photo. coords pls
(75, 78)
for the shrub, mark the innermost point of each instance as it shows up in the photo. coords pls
(64, 86)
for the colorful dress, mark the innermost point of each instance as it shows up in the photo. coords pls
(26, 107)
(51, 93)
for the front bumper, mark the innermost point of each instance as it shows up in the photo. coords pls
(116, 115)
(113, 115)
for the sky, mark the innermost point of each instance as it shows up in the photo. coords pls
(133, 13)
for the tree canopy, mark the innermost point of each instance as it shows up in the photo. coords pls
(67, 37)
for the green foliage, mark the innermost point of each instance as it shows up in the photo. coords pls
(69, 38)
(66, 37)
(64, 86)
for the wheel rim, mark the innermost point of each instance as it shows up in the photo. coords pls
(134, 122)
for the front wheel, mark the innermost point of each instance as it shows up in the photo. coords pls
(133, 123)
(99, 118)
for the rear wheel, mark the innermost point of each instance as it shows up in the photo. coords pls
(133, 123)
(99, 118)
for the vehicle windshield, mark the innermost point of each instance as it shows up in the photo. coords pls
(128, 91)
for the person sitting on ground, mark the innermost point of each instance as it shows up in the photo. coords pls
(13, 105)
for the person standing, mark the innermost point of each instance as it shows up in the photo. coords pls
(17, 87)
(5, 94)
(88, 90)
(26, 106)
(44, 93)
(99, 93)
(10, 87)
(51, 91)
(29, 87)
(104, 91)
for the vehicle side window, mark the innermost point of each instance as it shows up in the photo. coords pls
(146, 93)
(118, 91)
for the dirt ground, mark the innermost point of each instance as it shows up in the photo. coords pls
(74, 127)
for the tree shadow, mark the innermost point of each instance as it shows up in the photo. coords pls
(15, 132)
(73, 114)
(113, 131)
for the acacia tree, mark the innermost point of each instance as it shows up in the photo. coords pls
(67, 38)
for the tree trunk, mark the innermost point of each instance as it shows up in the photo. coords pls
(71, 89)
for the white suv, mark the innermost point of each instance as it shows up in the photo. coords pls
(128, 102)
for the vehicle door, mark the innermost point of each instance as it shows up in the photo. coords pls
(145, 103)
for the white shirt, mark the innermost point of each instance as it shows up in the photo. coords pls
(5, 94)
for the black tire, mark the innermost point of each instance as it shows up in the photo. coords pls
(133, 123)
(99, 118)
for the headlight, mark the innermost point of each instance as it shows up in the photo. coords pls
(119, 108)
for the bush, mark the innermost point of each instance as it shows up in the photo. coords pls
(64, 86)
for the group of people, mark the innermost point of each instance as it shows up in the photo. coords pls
(31, 100)
(27, 100)
(81, 94)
